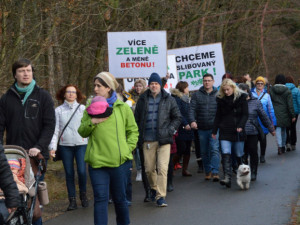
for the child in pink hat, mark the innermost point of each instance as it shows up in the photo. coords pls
(99, 108)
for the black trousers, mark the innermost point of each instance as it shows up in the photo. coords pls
(183, 147)
(250, 148)
(263, 144)
(144, 176)
(291, 133)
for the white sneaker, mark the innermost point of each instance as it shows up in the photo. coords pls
(138, 176)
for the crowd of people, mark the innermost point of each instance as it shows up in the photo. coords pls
(157, 129)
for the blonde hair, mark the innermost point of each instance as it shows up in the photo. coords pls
(236, 91)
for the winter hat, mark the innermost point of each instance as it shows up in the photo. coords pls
(154, 78)
(140, 81)
(280, 79)
(109, 79)
(99, 108)
(14, 163)
(260, 78)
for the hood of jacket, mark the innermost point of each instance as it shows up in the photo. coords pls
(279, 89)
(290, 86)
(213, 91)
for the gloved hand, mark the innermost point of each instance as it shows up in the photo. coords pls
(33, 152)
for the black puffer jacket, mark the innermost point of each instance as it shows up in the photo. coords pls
(203, 108)
(230, 116)
(31, 125)
(283, 105)
(256, 110)
(7, 183)
(169, 117)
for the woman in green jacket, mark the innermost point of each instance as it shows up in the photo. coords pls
(109, 150)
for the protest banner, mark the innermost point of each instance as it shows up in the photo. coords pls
(137, 54)
(171, 83)
(194, 62)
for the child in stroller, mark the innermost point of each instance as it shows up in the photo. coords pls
(27, 183)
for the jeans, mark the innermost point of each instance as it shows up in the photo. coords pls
(113, 179)
(137, 159)
(238, 147)
(68, 153)
(209, 151)
(129, 184)
(281, 136)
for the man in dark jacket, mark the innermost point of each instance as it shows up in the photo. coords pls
(27, 113)
(202, 115)
(9, 188)
(158, 117)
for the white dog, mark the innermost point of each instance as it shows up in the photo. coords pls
(243, 176)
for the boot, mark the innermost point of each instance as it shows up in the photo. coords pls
(185, 172)
(226, 160)
(84, 200)
(279, 151)
(170, 186)
(239, 161)
(148, 196)
(253, 172)
(283, 149)
(262, 159)
(72, 204)
(200, 166)
(170, 181)
(288, 147)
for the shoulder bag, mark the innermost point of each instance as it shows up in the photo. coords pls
(58, 150)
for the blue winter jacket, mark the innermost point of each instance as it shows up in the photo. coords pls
(296, 96)
(268, 107)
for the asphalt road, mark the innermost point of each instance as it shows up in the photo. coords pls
(269, 201)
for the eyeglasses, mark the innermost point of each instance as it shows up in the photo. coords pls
(71, 92)
(259, 83)
(207, 81)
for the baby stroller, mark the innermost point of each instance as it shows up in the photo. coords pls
(24, 213)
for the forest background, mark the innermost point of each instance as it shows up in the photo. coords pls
(67, 40)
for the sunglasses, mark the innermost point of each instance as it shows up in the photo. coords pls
(259, 83)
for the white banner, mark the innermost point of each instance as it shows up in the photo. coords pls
(194, 62)
(137, 54)
(172, 81)
(172, 70)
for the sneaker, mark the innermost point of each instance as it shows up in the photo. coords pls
(208, 176)
(215, 177)
(138, 176)
(161, 202)
(178, 166)
(153, 195)
(288, 147)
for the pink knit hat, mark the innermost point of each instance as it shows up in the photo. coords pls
(14, 163)
(99, 108)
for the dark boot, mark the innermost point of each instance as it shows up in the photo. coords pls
(72, 204)
(185, 164)
(170, 180)
(226, 160)
(262, 159)
(239, 161)
(283, 149)
(148, 196)
(84, 200)
(279, 151)
(200, 166)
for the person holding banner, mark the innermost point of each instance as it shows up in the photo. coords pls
(158, 118)
(109, 151)
(230, 121)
